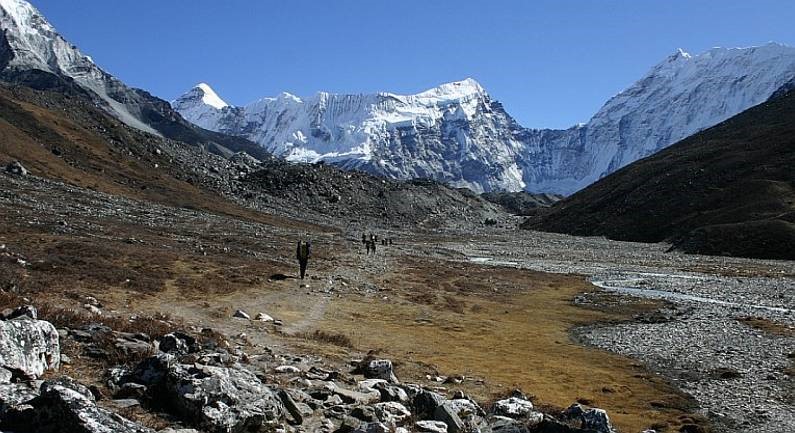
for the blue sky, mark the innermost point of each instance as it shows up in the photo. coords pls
(551, 63)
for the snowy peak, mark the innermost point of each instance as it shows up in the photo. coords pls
(209, 96)
(455, 133)
(454, 90)
(201, 93)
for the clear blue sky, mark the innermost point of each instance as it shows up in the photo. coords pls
(552, 63)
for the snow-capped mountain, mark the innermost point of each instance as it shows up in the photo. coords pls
(29, 43)
(32, 53)
(454, 132)
(457, 133)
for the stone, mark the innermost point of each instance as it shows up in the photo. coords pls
(597, 419)
(5, 376)
(64, 405)
(465, 408)
(513, 407)
(133, 347)
(392, 412)
(262, 317)
(178, 342)
(374, 427)
(131, 390)
(28, 311)
(364, 413)
(240, 314)
(592, 419)
(13, 394)
(125, 403)
(29, 347)
(291, 406)
(16, 168)
(380, 369)
(211, 398)
(425, 402)
(349, 396)
(287, 369)
(430, 427)
(93, 309)
(447, 415)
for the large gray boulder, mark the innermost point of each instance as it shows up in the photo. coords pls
(64, 405)
(212, 398)
(12, 394)
(29, 347)
(380, 369)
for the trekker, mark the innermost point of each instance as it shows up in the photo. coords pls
(364, 239)
(302, 254)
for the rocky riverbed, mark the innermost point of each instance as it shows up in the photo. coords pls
(728, 338)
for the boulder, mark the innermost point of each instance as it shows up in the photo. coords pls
(5, 376)
(380, 369)
(373, 427)
(29, 347)
(425, 402)
(392, 412)
(240, 314)
(216, 399)
(262, 317)
(349, 396)
(13, 394)
(591, 419)
(178, 342)
(447, 415)
(16, 168)
(513, 407)
(64, 405)
(28, 311)
(430, 427)
(465, 408)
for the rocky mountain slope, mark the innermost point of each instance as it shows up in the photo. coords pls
(67, 138)
(456, 133)
(521, 202)
(727, 190)
(32, 53)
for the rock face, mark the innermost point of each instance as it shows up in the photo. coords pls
(32, 53)
(29, 347)
(217, 399)
(67, 406)
(457, 133)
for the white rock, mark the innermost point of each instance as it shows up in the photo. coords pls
(262, 317)
(29, 346)
(240, 314)
(513, 407)
(431, 427)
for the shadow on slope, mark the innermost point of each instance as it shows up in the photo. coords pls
(728, 190)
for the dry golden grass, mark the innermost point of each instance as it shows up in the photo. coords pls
(769, 326)
(515, 337)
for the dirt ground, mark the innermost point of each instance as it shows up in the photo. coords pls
(433, 314)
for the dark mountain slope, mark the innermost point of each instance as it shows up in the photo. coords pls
(66, 137)
(727, 190)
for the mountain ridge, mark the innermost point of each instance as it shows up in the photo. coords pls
(467, 139)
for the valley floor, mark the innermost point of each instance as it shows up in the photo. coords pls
(663, 340)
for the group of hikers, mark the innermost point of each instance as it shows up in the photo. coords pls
(303, 250)
(371, 241)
